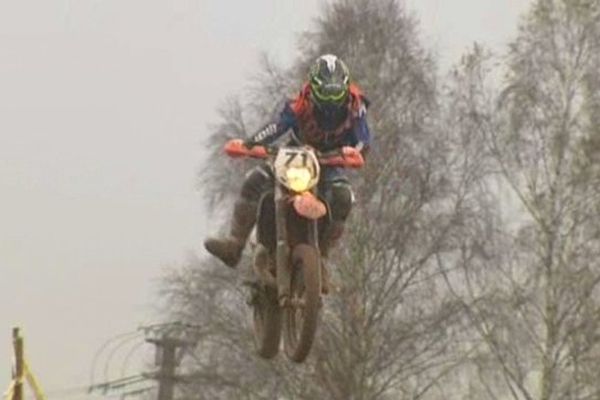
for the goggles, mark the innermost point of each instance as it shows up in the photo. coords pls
(330, 93)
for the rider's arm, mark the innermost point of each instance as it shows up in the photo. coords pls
(274, 130)
(361, 131)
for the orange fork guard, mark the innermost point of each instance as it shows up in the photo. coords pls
(309, 206)
(235, 148)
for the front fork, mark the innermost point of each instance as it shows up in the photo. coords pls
(282, 251)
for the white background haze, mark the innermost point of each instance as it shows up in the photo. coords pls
(103, 108)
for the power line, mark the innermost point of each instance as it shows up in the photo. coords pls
(114, 352)
(104, 346)
(171, 341)
(129, 355)
(110, 387)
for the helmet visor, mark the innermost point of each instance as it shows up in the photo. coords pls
(330, 93)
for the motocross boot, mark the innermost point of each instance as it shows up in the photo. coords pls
(229, 249)
(331, 236)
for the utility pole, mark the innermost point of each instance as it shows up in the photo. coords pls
(171, 341)
(19, 365)
(166, 349)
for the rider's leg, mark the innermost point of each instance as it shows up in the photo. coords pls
(336, 189)
(340, 201)
(229, 249)
(338, 193)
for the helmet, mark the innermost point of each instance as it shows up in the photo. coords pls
(329, 81)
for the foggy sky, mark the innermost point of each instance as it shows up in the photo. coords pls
(103, 108)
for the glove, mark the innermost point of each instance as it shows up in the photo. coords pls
(250, 143)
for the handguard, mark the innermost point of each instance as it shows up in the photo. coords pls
(236, 148)
(349, 157)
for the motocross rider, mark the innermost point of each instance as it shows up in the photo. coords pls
(328, 113)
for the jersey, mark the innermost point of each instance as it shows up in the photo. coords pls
(299, 117)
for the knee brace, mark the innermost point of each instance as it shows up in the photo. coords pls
(341, 198)
(257, 181)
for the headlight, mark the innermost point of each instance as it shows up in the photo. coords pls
(298, 179)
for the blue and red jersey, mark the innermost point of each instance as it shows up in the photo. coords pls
(298, 115)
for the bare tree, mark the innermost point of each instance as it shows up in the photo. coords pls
(392, 319)
(399, 323)
(539, 314)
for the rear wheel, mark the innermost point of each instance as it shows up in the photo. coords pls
(300, 316)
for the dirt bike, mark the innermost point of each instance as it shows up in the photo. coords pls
(287, 263)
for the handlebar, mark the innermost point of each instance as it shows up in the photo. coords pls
(347, 157)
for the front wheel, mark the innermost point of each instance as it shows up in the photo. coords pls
(300, 316)
(266, 321)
